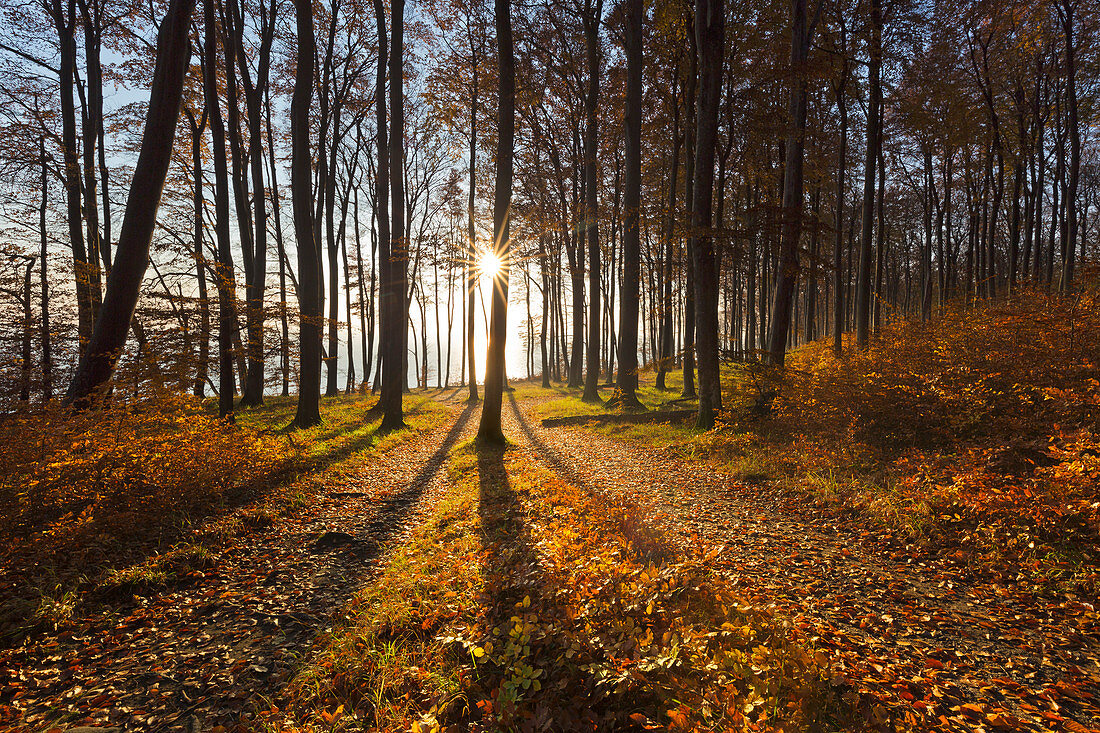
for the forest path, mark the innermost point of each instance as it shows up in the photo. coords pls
(915, 633)
(200, 656)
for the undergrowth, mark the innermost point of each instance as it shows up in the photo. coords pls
(135, 497)
(524, 602)
(979, 427)
(975, 433)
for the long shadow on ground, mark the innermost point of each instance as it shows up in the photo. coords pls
(217, 649)
(387, 517)
(646, 541)
(526, 603)
(557, 463)
(511, 567)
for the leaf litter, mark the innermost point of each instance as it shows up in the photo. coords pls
(916, 638)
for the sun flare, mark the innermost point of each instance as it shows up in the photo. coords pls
(490, 264)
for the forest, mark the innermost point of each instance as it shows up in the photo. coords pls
(449, 365)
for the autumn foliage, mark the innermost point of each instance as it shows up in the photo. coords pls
(1001, 369)
(979, 424)
(84, 495)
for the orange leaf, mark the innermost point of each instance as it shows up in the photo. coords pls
(679, 719)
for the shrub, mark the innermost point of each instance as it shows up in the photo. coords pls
(998, 370)
(978, 424)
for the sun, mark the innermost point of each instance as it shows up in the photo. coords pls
(490, 264)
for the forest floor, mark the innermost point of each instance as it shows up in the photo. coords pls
(198, 649)
(911, 627)
(900, 630)
(598, 576)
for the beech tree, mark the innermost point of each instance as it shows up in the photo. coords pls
(627, 382)
(591, 13)
(786, 281)
(873, 147)
(308, 412)
(490, 427)
(394, 283)
(710, 34)
(124, 283)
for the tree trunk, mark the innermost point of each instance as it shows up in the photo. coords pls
(86, 270)
(874, 142)
(92, 130)
(360, 275)
(786, 281)
(284, 325)
(252, 393)
(926, 250)
(1066, 10)
(438, 334)
(471, 235)
(331, 239)
(382, 194)
(201, 375)
(372, 320)
(710, 32)
(238, 172)
(591, 212)
(811, 286)
(26, 357)
(632, 198)
(688, 339)
(350, 383)
(47, 350)
(881, 243)
(393, 363)
(166, 92)
(490, 429)
(93, 20)
(547, 320)
(308, 412)
(382, 198)
(665, 340)
(450, 316)
(576, 276)
(223, 265)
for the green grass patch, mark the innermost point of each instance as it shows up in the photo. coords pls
(347, 424)
(158, 572)
(561, 401)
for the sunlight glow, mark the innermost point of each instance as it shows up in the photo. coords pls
(490, 264)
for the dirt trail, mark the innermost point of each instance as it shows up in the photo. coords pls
(202, 655)
(914, 632)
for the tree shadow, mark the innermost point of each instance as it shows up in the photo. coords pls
(551, 456)
(385, 521)
(526, 615)
(342, 569)
(511, 567)
(645, 540)
(548, 634)
(274, 618)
